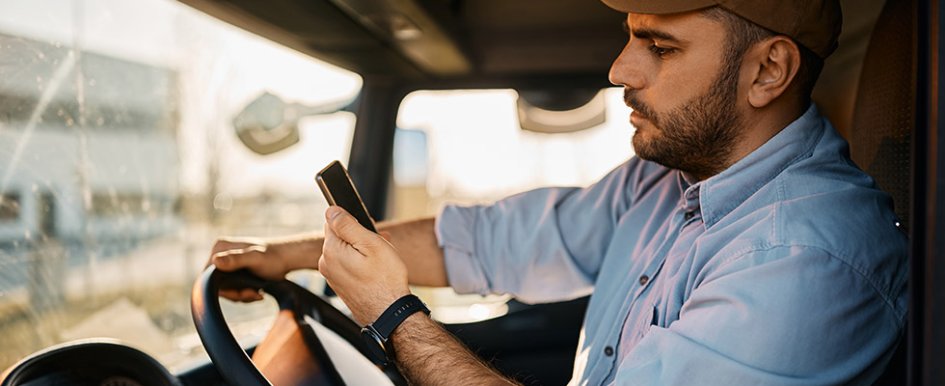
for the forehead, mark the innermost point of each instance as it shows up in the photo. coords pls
(687, 27)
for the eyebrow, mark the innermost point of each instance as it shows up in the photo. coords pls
(650, 34)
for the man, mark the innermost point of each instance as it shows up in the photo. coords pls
(741, 247)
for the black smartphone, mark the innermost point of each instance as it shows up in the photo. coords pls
(338, 189)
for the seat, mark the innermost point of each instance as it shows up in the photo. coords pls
(884, 112)
(883, 122)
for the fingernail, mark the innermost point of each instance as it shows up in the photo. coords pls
(332, 212)
(256, 248)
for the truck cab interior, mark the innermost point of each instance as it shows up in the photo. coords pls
(880, 89)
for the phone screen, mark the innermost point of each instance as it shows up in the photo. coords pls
(338, 189)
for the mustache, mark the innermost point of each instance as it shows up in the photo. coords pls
(633, 101)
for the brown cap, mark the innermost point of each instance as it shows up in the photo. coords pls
(812, 23)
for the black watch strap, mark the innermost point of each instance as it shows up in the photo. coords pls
(394, 315)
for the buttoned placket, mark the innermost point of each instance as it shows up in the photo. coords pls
(644, 282)
(691, 207)
(688, 213)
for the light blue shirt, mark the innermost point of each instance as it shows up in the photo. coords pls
(785, 269)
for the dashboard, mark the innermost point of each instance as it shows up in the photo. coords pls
(99, 362)
(108, 362)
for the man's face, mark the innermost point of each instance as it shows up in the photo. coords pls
(683, 87)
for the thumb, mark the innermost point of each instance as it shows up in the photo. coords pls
(346, 228)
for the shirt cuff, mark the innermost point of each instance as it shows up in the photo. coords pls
(454, 234)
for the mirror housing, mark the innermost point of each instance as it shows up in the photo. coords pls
(560, 111)
(268, 124)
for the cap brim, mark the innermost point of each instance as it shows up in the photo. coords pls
(658, 7)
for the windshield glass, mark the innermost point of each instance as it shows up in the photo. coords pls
(131, 135)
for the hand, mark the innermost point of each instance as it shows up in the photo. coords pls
(361, 266)
(255, 255)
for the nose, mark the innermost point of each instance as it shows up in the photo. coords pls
(625, 71)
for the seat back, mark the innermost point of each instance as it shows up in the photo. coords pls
(883, 122)
(884, 114)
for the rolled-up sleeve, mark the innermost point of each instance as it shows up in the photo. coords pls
(781, 316)
(454, 231)
(540, 246)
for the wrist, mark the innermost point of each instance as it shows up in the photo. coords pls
(373, 310)
(379, 334)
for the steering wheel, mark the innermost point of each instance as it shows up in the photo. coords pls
(231, 360)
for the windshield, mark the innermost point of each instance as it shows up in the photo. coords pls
(130, 137)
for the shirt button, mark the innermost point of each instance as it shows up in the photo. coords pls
(644, 279)
(689, 215)
(608, 351)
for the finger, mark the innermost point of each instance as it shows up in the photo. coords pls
(245, 295)
(233, 259)
(345, 227)
(326, 270)
(241, 295)
(332, 241)
(230, 294)
(386, 235)
(224, 244)
(249, 295)
(334, 244)
(321, 264)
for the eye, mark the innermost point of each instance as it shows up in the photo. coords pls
(660, 51)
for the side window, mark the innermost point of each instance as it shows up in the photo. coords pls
(131, 135)
(466, 147)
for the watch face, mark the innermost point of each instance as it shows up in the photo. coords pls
(375, 346)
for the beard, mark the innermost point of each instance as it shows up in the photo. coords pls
(696, 138)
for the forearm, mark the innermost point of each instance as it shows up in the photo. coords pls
(299, 251)
(418, 247)
(428, 355)
(415, 239)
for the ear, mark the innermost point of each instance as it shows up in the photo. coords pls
(776, 60)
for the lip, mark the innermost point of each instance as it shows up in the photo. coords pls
(636, 118)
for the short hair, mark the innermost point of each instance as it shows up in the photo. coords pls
(743, 34)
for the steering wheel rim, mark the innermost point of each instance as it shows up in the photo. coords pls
(231, 360)
(221, 345)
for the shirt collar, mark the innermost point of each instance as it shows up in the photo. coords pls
(720, 194)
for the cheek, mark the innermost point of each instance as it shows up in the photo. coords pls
(679, 80)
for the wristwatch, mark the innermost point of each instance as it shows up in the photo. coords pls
(377, 334)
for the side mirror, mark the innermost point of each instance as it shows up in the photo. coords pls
(267, 124)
